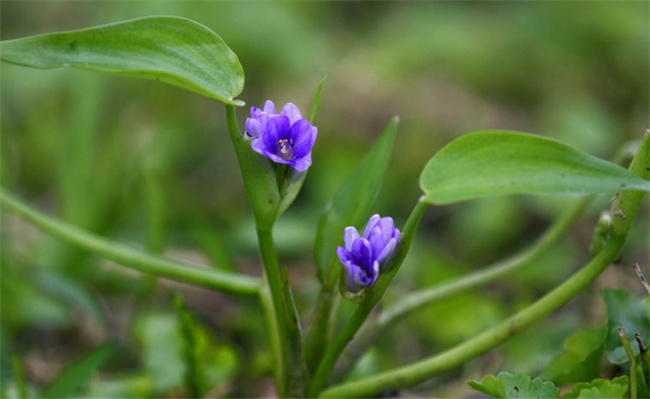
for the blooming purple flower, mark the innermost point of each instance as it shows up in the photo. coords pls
(364, 256)
(285, 137)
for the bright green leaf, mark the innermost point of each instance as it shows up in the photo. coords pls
(174, 50)
(599, 388)
(77, 374)
(490, 163)
(351, 204)
(581, 358)
(626, 311)
(509, 386)
(489, 385)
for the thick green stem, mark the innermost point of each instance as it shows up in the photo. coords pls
(261, 186)
(133, 258)
(371, 331)
(361, 313)
(625, 207)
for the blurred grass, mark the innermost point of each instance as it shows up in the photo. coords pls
(152, 165)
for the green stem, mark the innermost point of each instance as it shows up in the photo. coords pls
(133, 258)
(630, 354)
(19, 380)
(410, 303)
(274, 285)
(361, 313)
(626, 208)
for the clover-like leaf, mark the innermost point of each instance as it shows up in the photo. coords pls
(174, 50)
(599, 388)
(511, 386)
(626, 311)
(490, 163)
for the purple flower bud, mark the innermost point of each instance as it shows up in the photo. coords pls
(364, 256)
(283, 138)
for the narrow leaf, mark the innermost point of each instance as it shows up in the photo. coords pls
(77, 374)
(314, 107)
(174, 50)
(490, 163)
(351, 204)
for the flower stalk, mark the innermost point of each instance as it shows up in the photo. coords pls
(360, 315)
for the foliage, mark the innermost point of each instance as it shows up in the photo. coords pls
(509, 386)
(581, 359)
(170, 49)
(517, 163)
(599, 388)
(629, 312)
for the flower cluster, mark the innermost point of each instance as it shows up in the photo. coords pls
(284, 138)
(364, 256)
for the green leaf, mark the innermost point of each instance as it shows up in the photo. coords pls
(174, 50)
(297, 372)
(581, 358)
(509, 386)
(490, 163)
(74, 376)
(351, 204)
(599, 388)
(626, 311)
(314, 107)
(489, 385)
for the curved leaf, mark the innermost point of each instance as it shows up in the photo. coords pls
(490, 163)
(352, 202)
(174, 50)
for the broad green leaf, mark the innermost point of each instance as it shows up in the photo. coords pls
(174, 50)
(509, 386)
(74, 376)
(351, 204)
(581, 358)
(490, 163)
(626, 311)
(599, 388)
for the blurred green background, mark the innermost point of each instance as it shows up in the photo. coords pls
(152, 166)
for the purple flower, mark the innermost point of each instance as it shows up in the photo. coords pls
(364, 256)
(285, 137)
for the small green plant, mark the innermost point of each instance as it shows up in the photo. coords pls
(274, 156)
